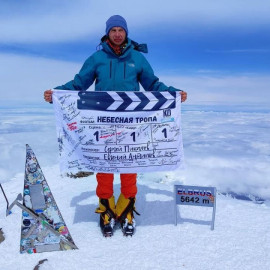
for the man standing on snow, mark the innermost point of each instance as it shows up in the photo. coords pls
(118, 66)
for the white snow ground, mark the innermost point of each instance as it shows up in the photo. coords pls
(226, 149)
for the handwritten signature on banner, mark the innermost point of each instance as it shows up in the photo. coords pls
(120, 141)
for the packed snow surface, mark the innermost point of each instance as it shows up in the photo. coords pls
(228, 149)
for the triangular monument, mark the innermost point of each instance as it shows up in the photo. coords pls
(43, 227)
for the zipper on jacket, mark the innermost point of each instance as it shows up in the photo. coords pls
(110, 69)
(125, 70)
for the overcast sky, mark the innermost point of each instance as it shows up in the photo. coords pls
(219, 51)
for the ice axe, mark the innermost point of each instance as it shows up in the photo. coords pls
(5, 196)
(19, 198)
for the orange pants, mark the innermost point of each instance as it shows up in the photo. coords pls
(105, 185)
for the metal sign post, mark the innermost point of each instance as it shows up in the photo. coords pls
(195, 196)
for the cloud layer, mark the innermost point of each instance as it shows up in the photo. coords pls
(26, 78)
(55, 21)
(249, 89)
(219, 64)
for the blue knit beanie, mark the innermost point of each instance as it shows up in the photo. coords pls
(116, 21)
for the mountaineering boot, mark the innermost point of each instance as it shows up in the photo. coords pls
(124, 211)
(107, 216)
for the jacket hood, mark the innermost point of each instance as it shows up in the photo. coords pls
(140, 47)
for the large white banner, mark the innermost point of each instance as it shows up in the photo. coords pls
(118, 132)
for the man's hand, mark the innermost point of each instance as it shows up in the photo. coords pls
(48, 95)
(183, 96)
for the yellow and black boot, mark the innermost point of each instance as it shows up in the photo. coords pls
(125, 209)
(107, 216)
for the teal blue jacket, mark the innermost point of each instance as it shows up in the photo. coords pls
(112, 72)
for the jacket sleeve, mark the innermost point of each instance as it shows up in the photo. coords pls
(149, 81)
(84, 79)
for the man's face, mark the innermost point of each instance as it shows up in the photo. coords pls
(117, 35)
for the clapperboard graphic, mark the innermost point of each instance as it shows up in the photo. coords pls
(126, 101)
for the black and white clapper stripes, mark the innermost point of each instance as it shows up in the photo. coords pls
(126, 101)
